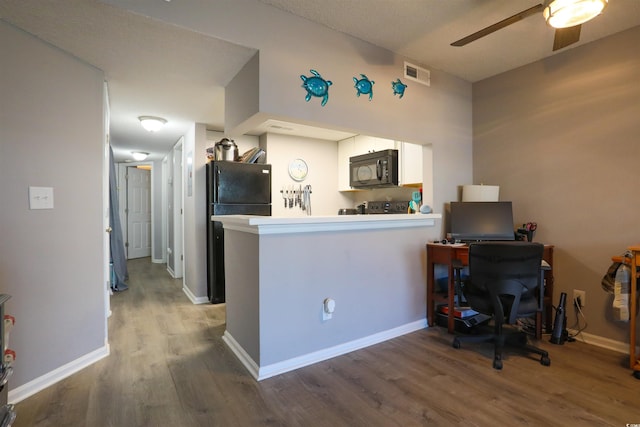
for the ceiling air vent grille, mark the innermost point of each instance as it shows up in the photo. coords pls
(417, 74)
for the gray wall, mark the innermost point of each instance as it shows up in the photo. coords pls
(375, 290)
(157, 251)
(560, 137)
(275, 293)
(51, 261)
(195, 226)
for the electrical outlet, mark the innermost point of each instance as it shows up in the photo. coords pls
(580, 294)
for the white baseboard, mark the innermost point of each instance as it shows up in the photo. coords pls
(157, 261)
(194, 299)
(598, 341)
(32, 387)
(261, 373)
(244, 357)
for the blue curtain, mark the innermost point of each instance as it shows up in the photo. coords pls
(119, 274)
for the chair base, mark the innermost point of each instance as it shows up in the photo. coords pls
(517, 340)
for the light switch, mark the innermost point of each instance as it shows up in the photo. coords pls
(40, 198)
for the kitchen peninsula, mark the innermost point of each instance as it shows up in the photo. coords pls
(279, 271)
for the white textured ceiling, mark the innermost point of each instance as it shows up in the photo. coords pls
(155, 68)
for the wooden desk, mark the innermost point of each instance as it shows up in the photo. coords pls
(634, 357)
(445, 254)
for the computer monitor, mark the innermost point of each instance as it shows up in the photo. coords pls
(481, 221)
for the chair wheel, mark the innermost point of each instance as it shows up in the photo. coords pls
(497, 364)
(456, 343)
(545, 361)
(636, 375)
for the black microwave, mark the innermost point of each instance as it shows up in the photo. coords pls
(377, 169)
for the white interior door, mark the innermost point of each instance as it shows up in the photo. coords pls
(106, 221)
(138, 213)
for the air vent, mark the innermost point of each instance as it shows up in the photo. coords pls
(278, 127)
(417, 74)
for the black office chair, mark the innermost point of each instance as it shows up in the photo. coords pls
(505, 282)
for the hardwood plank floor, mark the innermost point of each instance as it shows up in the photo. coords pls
(169, 367)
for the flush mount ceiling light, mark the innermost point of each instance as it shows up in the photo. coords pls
(569, 13)
(139, 155)
(151, 123)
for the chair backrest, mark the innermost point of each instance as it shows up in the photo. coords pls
(509, 271)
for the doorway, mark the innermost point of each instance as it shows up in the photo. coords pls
(135, 209)
(138, 241)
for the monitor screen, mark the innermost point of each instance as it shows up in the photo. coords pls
(477, 221)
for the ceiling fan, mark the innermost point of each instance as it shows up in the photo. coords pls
(566, 16)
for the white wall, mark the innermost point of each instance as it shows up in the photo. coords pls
(321, 157)
(51, 261)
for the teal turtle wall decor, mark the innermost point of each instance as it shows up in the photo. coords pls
(364, 86)
(398, 88)
(316, 86)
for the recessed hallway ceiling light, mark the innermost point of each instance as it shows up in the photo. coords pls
(151, 123)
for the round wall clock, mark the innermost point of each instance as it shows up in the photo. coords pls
(298, 169)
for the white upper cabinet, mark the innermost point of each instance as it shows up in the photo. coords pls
(409, 158)
(410, 164)
(369, 144)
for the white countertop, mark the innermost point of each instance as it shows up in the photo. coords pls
(285, 225)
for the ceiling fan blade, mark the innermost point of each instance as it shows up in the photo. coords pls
(499, 25)
(566, 36)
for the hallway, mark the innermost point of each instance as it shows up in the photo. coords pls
(163, 349)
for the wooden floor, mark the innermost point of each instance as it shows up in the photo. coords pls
(169, 367)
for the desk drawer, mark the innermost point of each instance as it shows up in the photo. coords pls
(462, 255)
(444, 254)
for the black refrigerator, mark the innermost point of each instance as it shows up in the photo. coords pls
(233, 188)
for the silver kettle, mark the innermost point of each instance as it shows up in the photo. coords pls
(226, 149)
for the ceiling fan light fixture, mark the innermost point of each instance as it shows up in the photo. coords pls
(139, 155)
(569, 13)
(151, 123)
